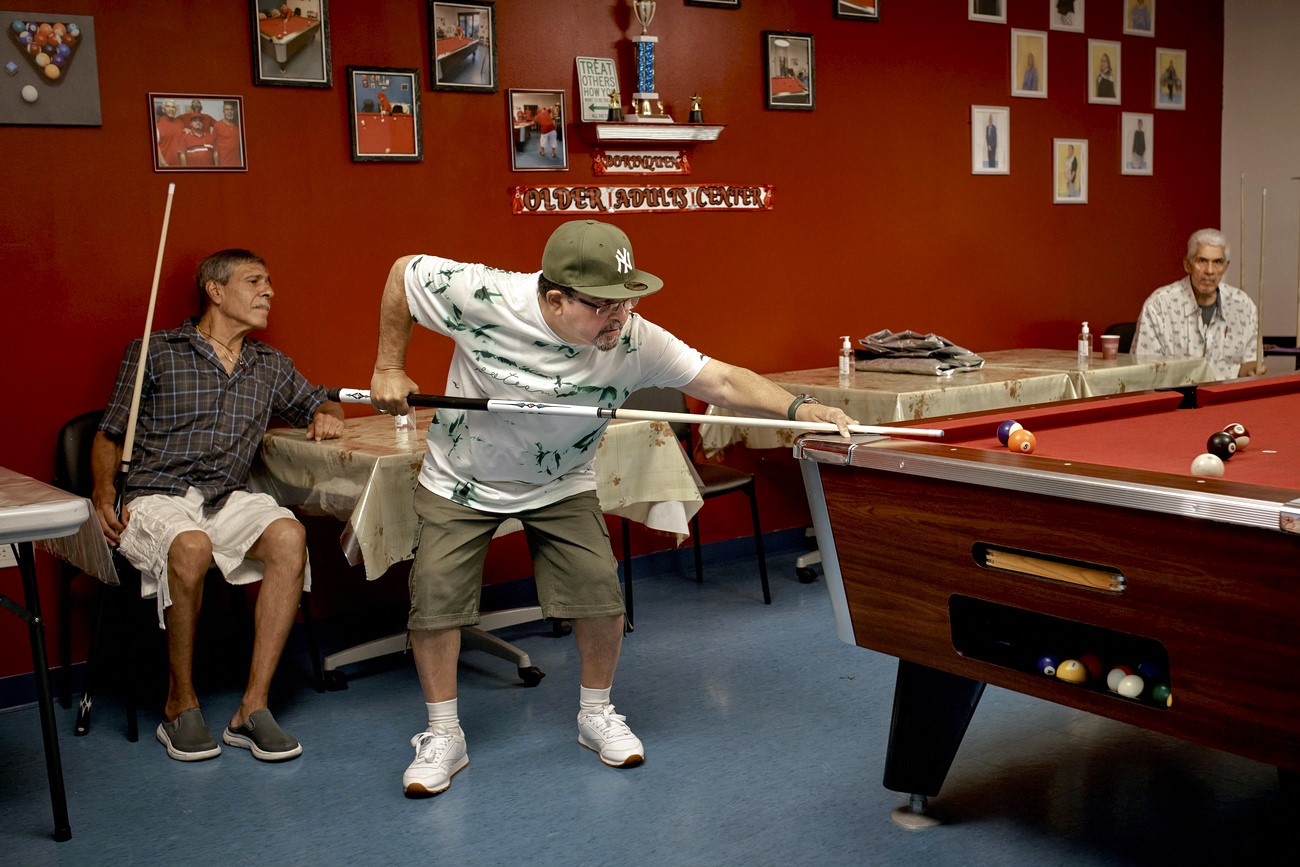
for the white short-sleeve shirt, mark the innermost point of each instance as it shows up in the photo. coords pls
(1171, 325)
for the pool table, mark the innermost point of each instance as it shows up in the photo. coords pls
(971, 563)
(451, 53)
(283, 39)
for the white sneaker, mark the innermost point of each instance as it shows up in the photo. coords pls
(606, 733)
(439, 755)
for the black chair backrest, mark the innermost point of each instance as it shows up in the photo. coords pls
(663, 400)
(72, 470)
(1125, 331)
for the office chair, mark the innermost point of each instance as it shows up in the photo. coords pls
(715, 480)
(73, 473)
(1125, 330)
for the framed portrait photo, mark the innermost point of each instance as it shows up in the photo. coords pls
(538, 142)
(990, 140)
(1171, 78)
(463, 46)
(197, 133)
(788, 70)
(1140, 17)
(1066, 15)
(1069, 171)
(384, 114)
(1103, 71)
(1137, 144)
(858, 10)
(719, 4)
(992, 11)
(291, 43)
(1029, 63)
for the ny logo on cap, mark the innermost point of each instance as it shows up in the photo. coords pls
(624, 257)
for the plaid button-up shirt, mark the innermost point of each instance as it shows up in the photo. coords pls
(199, 426)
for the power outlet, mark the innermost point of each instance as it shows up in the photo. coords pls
(7, 556)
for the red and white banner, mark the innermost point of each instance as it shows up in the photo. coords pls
(640, 163)
(665, 199)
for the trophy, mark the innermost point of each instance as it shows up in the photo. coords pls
(645, 65)
(615, 107)
(697, 116)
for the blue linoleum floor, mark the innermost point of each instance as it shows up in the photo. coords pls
(765, 741)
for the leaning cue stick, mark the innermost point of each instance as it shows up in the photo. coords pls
(128, 443)
(361, 395)
(1241, 229)
(1259, 330)
(1297, 278)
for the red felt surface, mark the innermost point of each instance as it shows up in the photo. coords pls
(453, 43)
(783, 85)
(277, 28)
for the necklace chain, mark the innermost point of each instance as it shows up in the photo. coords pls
(229, 353)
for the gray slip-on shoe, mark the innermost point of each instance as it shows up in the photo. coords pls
(187, 739)
(264, 737)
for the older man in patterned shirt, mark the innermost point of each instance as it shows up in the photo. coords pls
(1201, 316)
(207, 396)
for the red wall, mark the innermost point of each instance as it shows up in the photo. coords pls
(878, 222)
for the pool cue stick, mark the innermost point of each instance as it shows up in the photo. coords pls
(360, 395)
(1297, 278)
(128, 442)
(1241, 229)
(1259, 330)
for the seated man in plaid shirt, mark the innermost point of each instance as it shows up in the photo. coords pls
(207, 396)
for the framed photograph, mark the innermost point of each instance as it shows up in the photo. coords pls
(1140, 17)
(858, 10)
(1066, 15)
(56, 86)
(538, 142)
(990, 140)
(384, 114)
(291, 43)
(993, 11)
(463, 45)
(1069, 171)
(788, 63)
(197, 133)
(1103, 71)
(1137, 144)
(1171, 78)
(1029, 63)
(720, 4)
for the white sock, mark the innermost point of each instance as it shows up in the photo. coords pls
(442, 714)
(592, 700)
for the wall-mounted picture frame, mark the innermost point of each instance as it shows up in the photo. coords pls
(1069, 171)
(718, 4)
(1137, 144)
(856, 10)
(291, 43)
(1171, 78)
(56, 84)
(1066, 15)
(463, 46)
(990, 140)
(992, 11)
(789, 74)
(197, 133)
(538, 139)
(1140, 17)
(384, 114)
(1029, 63)
(1103, 72)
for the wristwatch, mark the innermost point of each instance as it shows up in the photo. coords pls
(798, 402)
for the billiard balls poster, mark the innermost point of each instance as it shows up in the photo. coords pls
(50, 70)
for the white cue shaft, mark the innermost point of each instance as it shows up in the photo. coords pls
(1259, 333)
(128, 443)
(1297, 283)
(1241, 229)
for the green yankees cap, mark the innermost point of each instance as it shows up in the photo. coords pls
(596, 258)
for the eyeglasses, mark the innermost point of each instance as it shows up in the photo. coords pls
(1203, 263)
(608, 308)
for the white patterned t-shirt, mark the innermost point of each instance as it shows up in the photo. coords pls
(1171, 325)
(504, 349)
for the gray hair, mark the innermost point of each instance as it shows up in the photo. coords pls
(220, 267)
(1211, 238)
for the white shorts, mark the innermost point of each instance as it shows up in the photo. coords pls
(547, 138)
(157, 519)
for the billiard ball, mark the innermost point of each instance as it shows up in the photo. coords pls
(42, 59)
(1006, 429)
(1207, 465)
(1022, 441)
(1131, 686)
(1239, 434)
(52, 71)
(1117, 674)
(30, 93)
(1048, 664)
(1161, 694)
(1150, 670)
(1092, 662)
(1222, 444)
(74, 30)
(18, 26)
(1072, 671)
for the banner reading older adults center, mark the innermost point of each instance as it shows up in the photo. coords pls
(671, 198)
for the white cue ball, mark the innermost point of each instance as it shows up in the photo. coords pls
(1207, 465)
(1131, 686)
(29, 93)
(1113, 679)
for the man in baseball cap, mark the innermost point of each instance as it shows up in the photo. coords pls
(566, 334)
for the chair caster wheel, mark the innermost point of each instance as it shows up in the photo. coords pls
(561, 627)
(531, 676)
(336, 680)
(806, 575)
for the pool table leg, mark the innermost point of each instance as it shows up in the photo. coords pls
(931, 712)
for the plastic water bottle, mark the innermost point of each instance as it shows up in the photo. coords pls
(1085, 346)
(846, 361)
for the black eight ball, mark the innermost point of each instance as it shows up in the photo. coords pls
(1221, 444)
